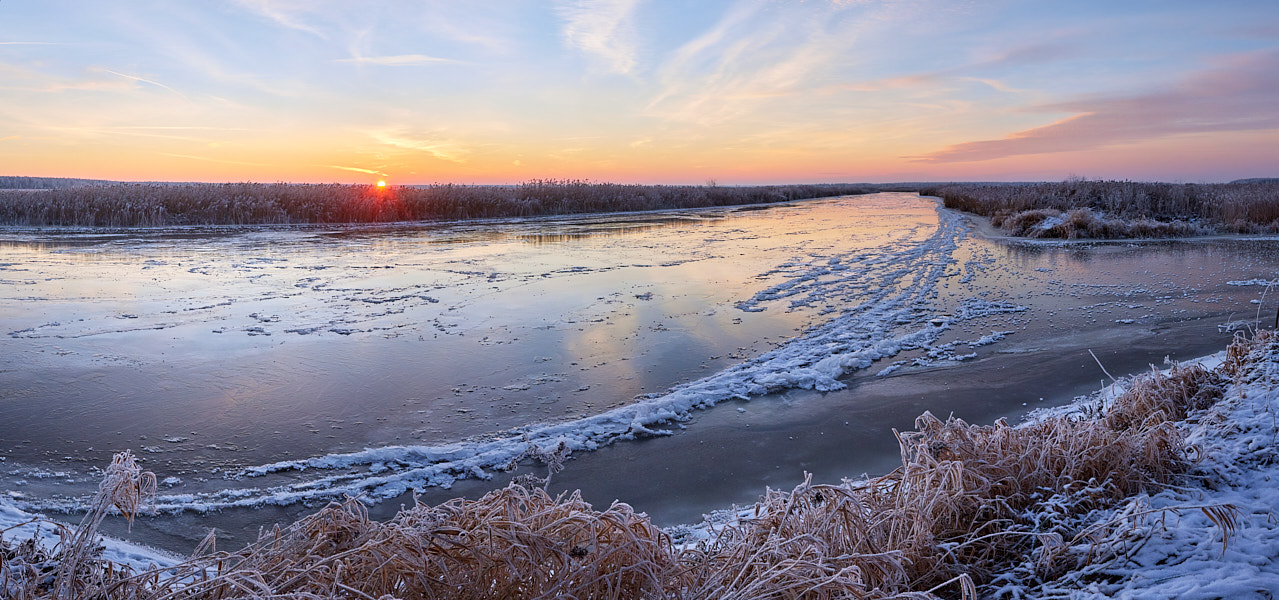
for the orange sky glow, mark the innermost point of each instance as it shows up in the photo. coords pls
(739, 91)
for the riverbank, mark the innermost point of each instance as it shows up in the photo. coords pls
(1159, 486)
(129, 205)
(1082, 209)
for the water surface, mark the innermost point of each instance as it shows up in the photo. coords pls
(211, 352)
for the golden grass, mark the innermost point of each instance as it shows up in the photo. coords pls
(967, 506)
(513, 543)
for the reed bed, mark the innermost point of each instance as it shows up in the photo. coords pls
(1079, 208)
(970, 506)
(157, 205)
(12, 182)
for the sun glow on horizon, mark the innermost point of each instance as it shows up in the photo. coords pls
(381, 183)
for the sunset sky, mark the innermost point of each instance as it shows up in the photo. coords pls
(643, 91)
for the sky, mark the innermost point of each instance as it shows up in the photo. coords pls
(639, 91)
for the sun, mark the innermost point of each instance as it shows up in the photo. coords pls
(381, 183)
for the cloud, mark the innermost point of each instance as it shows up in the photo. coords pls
(1031, 55)
(751, 56)
(147, 81)
(995, 84)
(357, 170)
(184, 128)
(399, 60)
(214, 160)
(1027, 55)
(444, 149)
(1238, 95)
(282, 12)
(604, 29)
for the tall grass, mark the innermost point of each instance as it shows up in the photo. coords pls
(968, 505)
(155, 205)
(1079, 208)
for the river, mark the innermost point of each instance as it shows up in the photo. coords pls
(686, 359)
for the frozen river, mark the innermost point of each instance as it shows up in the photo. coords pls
(687, 358)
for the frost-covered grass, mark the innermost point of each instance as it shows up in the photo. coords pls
(11, 182)
(1080, 208)
(155, 205)
(1160, 487)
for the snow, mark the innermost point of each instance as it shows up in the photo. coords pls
(1186, 555)
(17, 524)
(1049, 223)
(1176, 546)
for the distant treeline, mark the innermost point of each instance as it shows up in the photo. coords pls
(155, 205)
(10, 182)
(1078, 208)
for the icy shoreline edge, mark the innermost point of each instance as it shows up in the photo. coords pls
(1208, 536)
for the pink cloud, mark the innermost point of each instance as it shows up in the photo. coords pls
(1238, 95)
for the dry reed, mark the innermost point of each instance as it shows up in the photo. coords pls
(155, 205)
(971, 506)
(1078, 208)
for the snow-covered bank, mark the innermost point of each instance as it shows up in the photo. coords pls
(1198, 439)
(1214, 535)
(1211, 532)
(17, 525)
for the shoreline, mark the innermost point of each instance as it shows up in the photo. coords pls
(1216, 525)
(1119, 210)
(981, 225)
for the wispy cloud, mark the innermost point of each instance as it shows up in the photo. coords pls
(357, 170)
(1013, 59)
(603, 29)
(1238, 95)
(1026, 55)
(439, 147)
(184, 128)
(284, 13)
(147, 81)
(115, 132)
(995, 84)
(213, 160)
(750, 56)
(399, 60)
